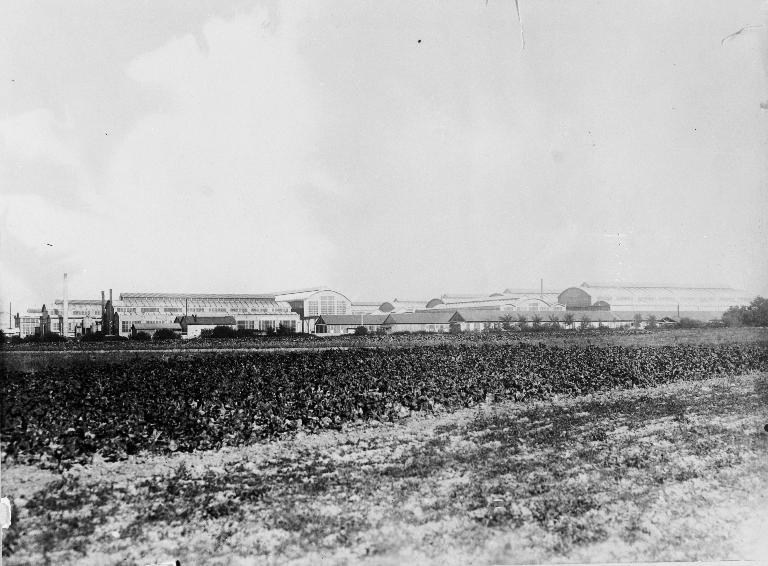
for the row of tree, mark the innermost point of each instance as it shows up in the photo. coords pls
(756, 314)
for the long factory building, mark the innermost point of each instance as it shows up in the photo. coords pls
(300, 310)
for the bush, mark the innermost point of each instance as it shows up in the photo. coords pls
(2, 338)
(165, 334)
(284, 330)
(93, 337)
(361, 331)
(141, 336)
(219, 332)
(686, 322)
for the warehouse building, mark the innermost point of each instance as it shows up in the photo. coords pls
(651, 297)
(309, 304)
(422, 321)
(498, 302)
(365, 307)
(398, 306)
(253, 312)
(334, 324)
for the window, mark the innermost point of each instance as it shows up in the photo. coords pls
(172, 309)
(147, 309)
(312, 309)
(327, 304)
(126, 324)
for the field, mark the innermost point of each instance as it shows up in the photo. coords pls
(454, 452)
(676, 472)
(30, 357)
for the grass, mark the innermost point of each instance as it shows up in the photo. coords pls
(669, 473)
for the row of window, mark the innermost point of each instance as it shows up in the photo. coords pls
(328, 304)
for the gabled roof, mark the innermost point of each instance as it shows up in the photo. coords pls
(431, 317)
(481, 315)
(351, 319)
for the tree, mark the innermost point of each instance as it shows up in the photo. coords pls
(756, 314)
(651, 323)
(506, 321)
(141, 336)
(2, 338)
(536, 320)
(555, 321)
(522, 321)
(361, 331)
(585, 322)
(569, 319)
(638, 319)
(758, 310)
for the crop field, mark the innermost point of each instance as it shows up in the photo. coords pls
(673, 472)
(453, 452)
(30, 357)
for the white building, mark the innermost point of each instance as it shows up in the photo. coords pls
(309, 304)
(254, 312)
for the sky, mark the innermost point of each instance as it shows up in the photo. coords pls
(385, 149)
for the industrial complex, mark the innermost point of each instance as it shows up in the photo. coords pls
(325, 311)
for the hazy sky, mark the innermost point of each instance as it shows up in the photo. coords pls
(387, 149)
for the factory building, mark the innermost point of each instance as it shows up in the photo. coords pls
(35, 321)
(252, 312)
(498, 301)
(309, 304)
(651, 297)
(398, 306)
(422, 321)
(365, 307)
(334, 324)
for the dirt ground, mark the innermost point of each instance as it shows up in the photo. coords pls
(677, 472)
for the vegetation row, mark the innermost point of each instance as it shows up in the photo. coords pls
(59, 416)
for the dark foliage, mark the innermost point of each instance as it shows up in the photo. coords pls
(756, 314)
(165, 334)
(141, 336)
(93, 337)
(219, 332)
(63, 415)
(361, 331)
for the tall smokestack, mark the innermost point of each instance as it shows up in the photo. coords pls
(110, 296)
(65, 329)
(102, 302)
(541, 289)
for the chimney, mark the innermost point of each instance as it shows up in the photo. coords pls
(65, 328)
(110, 296)
(102, 302)
(541, 289)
